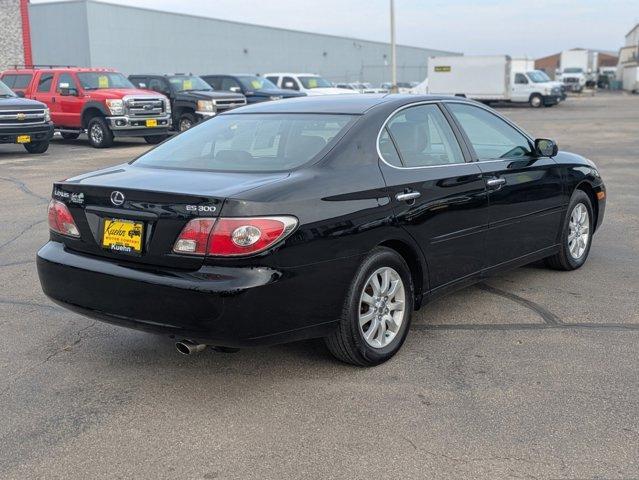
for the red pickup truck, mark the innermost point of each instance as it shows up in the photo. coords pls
(98, 101)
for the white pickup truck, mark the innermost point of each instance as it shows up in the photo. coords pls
(307, 83)
(490, 79)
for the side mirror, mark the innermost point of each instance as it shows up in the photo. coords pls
(20, 93)
(546, 147)
(289, 85)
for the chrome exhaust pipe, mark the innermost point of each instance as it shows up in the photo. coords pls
(188, 347)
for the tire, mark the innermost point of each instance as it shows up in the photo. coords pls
(572, 258)
(348, 342)
(186, 121)
(155, 139)
(69, 136)
(100, 135)
(37, 147)
(536, 100)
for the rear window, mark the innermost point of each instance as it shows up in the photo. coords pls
(19, 81)
(249, 143)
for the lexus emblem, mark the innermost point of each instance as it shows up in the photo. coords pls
(117, 198)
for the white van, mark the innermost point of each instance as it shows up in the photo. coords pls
(307, 83)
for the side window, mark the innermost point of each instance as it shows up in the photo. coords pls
(65, 79)
(521, 79)
(140, 82)
(158, 85)
(214, 82)
(46, 80)
(229, 83)
(490, 136)
(423, 138)
(273, 80)
(290, 83)
(387, 149)
(19, 81)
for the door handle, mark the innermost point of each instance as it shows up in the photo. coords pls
(495, 183)
(407, 196)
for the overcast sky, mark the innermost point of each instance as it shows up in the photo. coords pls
(531, 28)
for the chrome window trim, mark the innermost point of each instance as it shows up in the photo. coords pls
(403, 107)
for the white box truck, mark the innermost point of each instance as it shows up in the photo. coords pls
(630, 77)
(578, 68)
(489, 79)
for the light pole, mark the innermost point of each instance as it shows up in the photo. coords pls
(393, 49)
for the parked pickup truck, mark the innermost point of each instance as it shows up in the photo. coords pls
(255, 89)
(23, 121)
(192, 99)
(98, 101)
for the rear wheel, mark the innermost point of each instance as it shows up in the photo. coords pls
(187, 120)
(576, 234)
(37, 147)
(100, 135)
(536, 100)
(155, 139)
(377, 311)
(69, 135)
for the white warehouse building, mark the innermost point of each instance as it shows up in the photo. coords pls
(138, 40)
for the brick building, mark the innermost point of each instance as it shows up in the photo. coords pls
(15, 41)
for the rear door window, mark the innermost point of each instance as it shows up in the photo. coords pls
(423, 138)
(18, 81)
(249, 142)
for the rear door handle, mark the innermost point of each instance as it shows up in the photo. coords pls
(407, 196)
(495, 183)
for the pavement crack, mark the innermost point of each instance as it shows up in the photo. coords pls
(22, 232)
(547, 316)
(24, 188)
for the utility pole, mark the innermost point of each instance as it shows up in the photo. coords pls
(393, 49)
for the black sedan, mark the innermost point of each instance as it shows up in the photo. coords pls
(330, 217)
(255, 89)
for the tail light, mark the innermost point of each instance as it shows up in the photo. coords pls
(60, 219)
(233, 237)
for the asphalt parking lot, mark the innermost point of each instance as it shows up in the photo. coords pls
(534, 374)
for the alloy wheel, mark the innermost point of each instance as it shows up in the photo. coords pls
(185, 124)
(381, 307)
(579, 231)
(97, 135)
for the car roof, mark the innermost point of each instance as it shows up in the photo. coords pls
(291, 74)
(59, 69)
(349, 104)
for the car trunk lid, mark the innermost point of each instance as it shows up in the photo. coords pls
(135, 214)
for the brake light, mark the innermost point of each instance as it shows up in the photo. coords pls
(60, 219)
(194, 236)
(232, 237)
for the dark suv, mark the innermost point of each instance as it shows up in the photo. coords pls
(192, 99)
(255, 89)
(23, 121)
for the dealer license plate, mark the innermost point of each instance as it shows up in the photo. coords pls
(23, 139)
(152, 123)
(123, 236)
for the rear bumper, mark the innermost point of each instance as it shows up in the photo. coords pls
(229, 306)
(39, 133)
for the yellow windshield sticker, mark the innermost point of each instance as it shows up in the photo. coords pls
(103, 81)
(256, 84)
(187, 85)
(312, 83)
